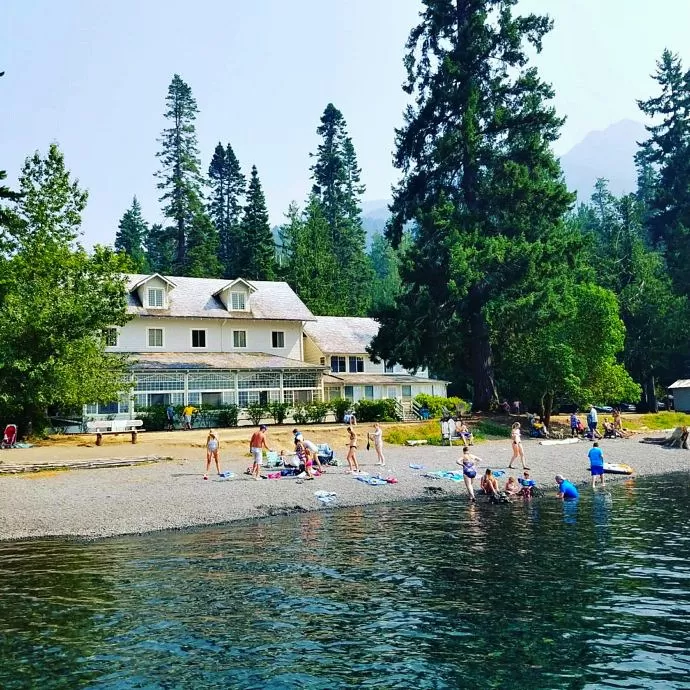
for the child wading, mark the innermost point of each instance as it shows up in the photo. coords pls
(469, 470)
(596, 464)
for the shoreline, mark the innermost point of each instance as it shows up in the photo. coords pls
(170, 493)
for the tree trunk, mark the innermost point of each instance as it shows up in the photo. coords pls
(547, 409)
(482, 364)
(651, 394)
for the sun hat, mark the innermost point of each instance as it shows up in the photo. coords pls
(560, 478)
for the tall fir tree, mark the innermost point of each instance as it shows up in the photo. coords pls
(385, 262)
(257, 253)
(338, 187)
(202, 249)
(130, 236)
(664, 167)
(159, 244)
(481, 184)
(310, 266)
(180, 177)
(225, 205)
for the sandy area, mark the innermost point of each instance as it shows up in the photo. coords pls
(171, 494)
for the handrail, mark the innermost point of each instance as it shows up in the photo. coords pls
(416, 409)
(399, 409)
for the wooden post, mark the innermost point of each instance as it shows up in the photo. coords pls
(134, 435)
(99, 439)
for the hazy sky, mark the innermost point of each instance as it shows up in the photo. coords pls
(93, 76)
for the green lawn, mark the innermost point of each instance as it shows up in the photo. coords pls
(661, 420)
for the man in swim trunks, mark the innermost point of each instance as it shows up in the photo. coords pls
(566, 490)
(596, 464)
(256, 446)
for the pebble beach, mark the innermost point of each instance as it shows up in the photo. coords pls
(170, 493)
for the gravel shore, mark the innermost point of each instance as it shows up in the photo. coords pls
(172, 494)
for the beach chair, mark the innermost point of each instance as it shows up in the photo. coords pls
(9, 438)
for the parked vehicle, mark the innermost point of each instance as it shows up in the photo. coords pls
(627, 407)
(607, 409)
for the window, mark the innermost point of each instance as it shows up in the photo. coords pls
(278, 338)
(198, 337)
(349, 392)
(356, 365)
(237, 301)
(239, 338)
(389, 367)
(332, 392)
(407, 392)
(338, 363)
(155, 337)
(369, 392)
(155, 297)
(111, 337)
(322, 360)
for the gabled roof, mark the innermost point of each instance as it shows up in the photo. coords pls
(681, 383)
(197, 297)
(342, 334)
(145, 279)
(233, 283)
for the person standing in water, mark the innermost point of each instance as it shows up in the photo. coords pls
(352, 450)
(596, 464)
(518, 451)
(212, 448)
(377, 435)
(469, 470)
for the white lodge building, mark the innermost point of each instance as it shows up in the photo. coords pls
(212, 342)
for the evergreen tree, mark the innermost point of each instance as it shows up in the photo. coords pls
(310, 266)
(337, 186)
(159, 244)
(225, 205)
(480, 183)
(385, 262)
(258, 247)
(180, 179)
(664, 167)
(202, 249)
(130, 236)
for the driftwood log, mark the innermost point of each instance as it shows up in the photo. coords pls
(677, 439)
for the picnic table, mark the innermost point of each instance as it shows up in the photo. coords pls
(114, 427)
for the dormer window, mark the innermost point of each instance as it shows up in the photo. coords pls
(238, 301)
(156, 297)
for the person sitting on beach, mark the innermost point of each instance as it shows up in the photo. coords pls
(512, 487)
(527, 484)
(469, 470)
(609, 430)
(489, 484)
(291, 461)
(212, 447)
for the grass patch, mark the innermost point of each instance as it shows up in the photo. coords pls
(427, 431)
(485, 428)
(660, 420)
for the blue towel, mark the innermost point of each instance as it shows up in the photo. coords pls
(498, 473)
(372, 481)
(414, 466)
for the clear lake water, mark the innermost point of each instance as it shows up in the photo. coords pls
(429, 594)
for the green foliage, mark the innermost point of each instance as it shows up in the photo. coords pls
(385, 263)
(485, 428)
(316, 411)
(377, 410)
(481, 184)
(202, 249)
(340, 406)
(159, 244)
(258, 248)
(338, 189)
(256, 412)
(130, 236)
(154, 417)
(225, 207)
(436, 404)
(424, 431)
(299, 413)
(278, 411)
(179, 176)
(227, 416)
(55, 299)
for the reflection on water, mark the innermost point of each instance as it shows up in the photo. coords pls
(541, 594)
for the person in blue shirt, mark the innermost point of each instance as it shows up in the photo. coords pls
(566, 490)
(596, 464)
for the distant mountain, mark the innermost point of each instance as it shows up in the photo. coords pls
(605, 153)
(375, 215)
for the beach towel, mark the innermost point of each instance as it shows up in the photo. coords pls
(444, 474)
(559, 442)
(372, 481)
(325, 497)
(414, 466)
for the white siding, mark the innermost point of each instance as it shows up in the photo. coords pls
(178, 335)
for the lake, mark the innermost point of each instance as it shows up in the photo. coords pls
(438, 594)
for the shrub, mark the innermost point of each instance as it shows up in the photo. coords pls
(339, 407)
(488, 428)
(377, 410)
(227, 416)
(256, 412)
(278, 411)
(154, 417)
(317, 411)
(299, 414)
(436, 404)
(427, 431)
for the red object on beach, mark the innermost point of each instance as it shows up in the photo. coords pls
(9, 438)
